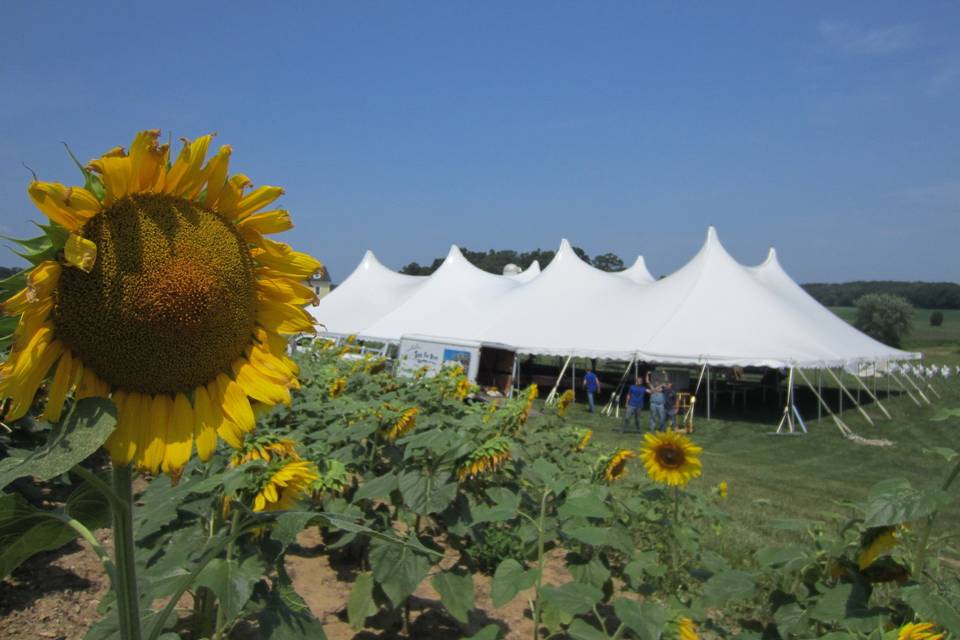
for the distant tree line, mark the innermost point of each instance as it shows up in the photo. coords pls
(495, 260)
(925, 295)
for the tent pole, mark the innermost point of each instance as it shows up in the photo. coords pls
(615, 396)
(787, 417)
(708, 390)
(914, 385)
(573, 379)
(875, 369)
(844, 429)
(930, 386)
(553, 392)
(850, 395)
(819, 390)
(900, 384)
(873, 395)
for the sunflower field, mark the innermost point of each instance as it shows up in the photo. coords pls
(182, 422)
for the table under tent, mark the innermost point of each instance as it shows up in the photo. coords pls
(720, 327)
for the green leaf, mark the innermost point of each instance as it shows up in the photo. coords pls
(376, 487)
(426, 494)
(592, 571)
(456, 593)
(946, 453)
(786, 558)
(26, 530)
(792, 620)
(361, 606)
(509, 579)
(290, 524)
(283, 615)
(585, 502)
(70, 442)
(895, 501)
(582, 630)
(575, 598)
(644, 563)
(646, 619)
(397, 569)
(594, 536)
(505, 505)
(840, 603)
(727, 586)
(932, 606)
(489, 632)
(549, 475)
(232, 581)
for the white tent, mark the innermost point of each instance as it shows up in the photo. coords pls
(711, 311)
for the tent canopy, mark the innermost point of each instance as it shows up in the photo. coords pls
(713, 310)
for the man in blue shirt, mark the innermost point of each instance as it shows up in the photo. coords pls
(635, 396)
(592, 384)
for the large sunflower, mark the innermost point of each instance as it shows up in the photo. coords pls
(166, 297)
(670, 457)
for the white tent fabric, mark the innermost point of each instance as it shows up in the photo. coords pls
(368, 293)
(637, 272)
(452, 303)
(711, 311)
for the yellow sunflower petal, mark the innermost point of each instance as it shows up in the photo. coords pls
(59, 387)
(91, 386)
(217, 175)
(69, 207)
(284, 318)
(179, 436)
(41, 281)
(236, 406)
(160, 410)
(259, 503)
(256, 200)
(147, 160)
(230, 195)
(205, 424)
(25, 386)
(122, 443)
(80, 252)
(285, 290)
(226, 428)
(278, 258)
(259, 386)
(116, 173)
(275, 221)
(185, 178)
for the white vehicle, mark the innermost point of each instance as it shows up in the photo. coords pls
(486, 364)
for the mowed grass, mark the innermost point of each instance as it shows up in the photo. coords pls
(778, 477)
(940, 345)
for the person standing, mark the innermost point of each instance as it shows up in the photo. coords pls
(658, 410)
(670, 404)
(592, 384)
(635, 396)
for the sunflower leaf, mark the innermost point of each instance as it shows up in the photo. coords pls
(71, 441)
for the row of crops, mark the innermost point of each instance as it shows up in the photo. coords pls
(410, 480)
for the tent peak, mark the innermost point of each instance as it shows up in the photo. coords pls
(370, 260)
(454, 253)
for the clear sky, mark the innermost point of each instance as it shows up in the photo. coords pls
(829, 130)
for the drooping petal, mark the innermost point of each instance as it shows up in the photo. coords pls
(236, 406)
(116, 173)
(275, 221)
(69, 207)
(22, 393)
(286, 290)
(91, 386)
(122, 443)
(278, 258)
(205, 424)
(161, 408)
(226, 428)
(80, 252)
(59, 387)
(179, 435)
(41, 282)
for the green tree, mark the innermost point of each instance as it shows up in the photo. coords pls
(608, 262)
(936, 318)
(884, 316)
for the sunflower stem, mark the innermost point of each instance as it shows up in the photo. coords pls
(538, 608)
(128, 597)
(673, 529)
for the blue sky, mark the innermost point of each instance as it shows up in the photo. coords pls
(829, 130)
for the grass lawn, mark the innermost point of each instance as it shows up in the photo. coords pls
(938, 344)
(781, 477)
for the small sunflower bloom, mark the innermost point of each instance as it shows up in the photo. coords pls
(566, 399)
(531, 394)
(463, 389)
(337, 387)
(487, 458)
(166, 297)
(877, 542)
(687, 630)
(919, 631)
(616, 467)
(404, 424)
(671, 458)
(583, 440)
(722, 489)
(286, 486)
(265, 449)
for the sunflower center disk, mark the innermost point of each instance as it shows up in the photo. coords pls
(170, 302)
(670, 457)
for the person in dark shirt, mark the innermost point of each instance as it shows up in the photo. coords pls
(635, 397)
(592, 384)
(670, 405)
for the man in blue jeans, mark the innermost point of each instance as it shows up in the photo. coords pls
(592, 384)
(658, 410)
(634, 405)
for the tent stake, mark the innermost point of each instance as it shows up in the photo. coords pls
(850, 395)
(787, 417)
(930, 386)
(873, 395)
(553, 392)
(844, 429)
(615, 396)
